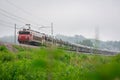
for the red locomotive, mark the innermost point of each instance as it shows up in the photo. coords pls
(28, 36)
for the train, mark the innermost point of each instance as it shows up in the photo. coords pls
(32, 37)
(28, 36)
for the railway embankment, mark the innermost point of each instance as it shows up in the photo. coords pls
(55, 64)
(12, 47)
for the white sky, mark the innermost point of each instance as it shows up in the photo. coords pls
(70, 17)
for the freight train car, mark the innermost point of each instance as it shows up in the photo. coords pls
(28, 36)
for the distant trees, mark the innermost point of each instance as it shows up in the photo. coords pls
(87, 42)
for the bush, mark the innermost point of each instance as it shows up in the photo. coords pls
(116, 58)
(24, 55)
(56, 64)
(6, 56)
(3, 48)
(106, 72)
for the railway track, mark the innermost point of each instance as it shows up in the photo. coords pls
(28, 36)
(78, 49)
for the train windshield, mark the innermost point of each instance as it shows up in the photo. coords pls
(24, 32)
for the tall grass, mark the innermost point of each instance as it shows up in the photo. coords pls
(56, 64)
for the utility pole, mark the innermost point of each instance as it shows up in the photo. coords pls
(15, 35)
(52, 29)
(96, 44)
(52, 32)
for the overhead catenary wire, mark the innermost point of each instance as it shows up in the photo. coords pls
(6, 22)
(11, 14)
(10, 18)
(10, 23)
(13, 18)
(19, 8)
(6, 25)
(18, 18)
(23, 10)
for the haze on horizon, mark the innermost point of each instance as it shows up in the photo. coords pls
(70, 17)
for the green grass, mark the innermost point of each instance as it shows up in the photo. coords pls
(56, 64)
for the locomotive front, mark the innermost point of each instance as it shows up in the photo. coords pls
(24, 36)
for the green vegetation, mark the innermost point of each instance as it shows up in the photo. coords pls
(56, 64)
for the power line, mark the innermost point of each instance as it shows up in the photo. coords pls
(12, 14)
(8, 22)
(7, 25)
(15, 17)
(10, 25)
(15, 34)
(11, 17)
(19, 8)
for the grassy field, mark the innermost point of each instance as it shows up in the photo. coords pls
(56, 64)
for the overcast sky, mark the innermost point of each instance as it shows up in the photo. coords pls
(70, 17)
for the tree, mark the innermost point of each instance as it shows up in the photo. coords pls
(87, 42)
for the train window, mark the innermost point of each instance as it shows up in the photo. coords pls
(24, 32)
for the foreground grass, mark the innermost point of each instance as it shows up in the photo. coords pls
(56, 64)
